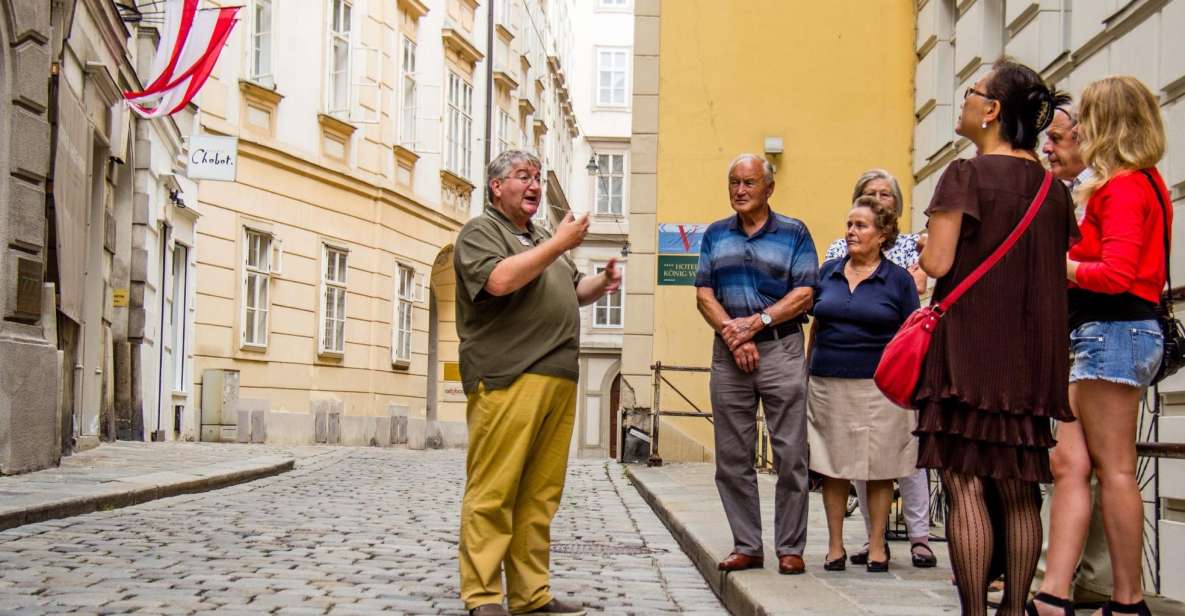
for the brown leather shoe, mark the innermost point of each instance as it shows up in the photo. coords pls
(791, 564)
(737, 561)
(556, 607)
(489, 609)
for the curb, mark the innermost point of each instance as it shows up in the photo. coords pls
(149, 487)
(736, 597)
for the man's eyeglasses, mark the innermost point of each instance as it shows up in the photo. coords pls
(969, 91)
(527, 179)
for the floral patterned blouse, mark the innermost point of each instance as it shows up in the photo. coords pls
(904, 252)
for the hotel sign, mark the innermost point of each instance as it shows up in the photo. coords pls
(678, 252)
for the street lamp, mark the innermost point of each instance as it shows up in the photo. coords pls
(592, 166)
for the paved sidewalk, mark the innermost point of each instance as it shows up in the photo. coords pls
(684, 496)
(126, 473)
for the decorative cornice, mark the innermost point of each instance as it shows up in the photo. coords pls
(404, 155)
(456, 182)
(258, 93)
(414, 8)
(540, 126)
(526, 106)
(504, 32)
(335, 126)
(454, 40)
(502, 78)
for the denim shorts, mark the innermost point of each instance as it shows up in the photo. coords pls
(1125, 352)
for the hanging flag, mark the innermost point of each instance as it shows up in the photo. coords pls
(185, 57)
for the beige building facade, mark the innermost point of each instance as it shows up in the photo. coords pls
(325, 290)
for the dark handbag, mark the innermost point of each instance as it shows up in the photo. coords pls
(900, 367)
(1170, 327)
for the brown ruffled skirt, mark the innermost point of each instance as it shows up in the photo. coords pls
(998, 444)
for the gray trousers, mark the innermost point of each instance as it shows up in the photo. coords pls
(779, 383)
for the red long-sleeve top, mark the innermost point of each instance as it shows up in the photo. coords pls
(1122, 246)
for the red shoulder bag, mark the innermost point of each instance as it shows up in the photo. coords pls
(900, 367)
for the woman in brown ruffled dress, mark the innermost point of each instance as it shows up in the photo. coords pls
(998, 367)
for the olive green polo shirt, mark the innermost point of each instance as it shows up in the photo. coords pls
(535, 329)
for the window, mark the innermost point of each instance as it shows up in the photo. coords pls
(404, 296)
(256, 276)
(261, 41)
(407, 120)
(608, 311)
(610, 183)
(180, 308)
(460, 126)
(505, 132)
(339, 61)
(333, 302)
(611, 77)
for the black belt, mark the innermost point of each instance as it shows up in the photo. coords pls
(778, 331)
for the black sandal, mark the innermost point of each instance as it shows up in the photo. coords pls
(839, 564)
(1140, 609)
(923, 561)
(861, 557)
(1048, 599)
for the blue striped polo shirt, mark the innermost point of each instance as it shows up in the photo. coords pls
(751, 273)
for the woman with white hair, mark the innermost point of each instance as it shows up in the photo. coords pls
(915, 488)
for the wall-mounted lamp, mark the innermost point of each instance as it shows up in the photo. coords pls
(773, 146)
(175, 198)
(592, 166)
(625, 250)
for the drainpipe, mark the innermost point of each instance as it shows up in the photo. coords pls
(489, 89)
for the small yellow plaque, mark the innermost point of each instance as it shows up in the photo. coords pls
(119, 298)
(452, 371)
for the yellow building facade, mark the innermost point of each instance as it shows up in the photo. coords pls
(833, 80)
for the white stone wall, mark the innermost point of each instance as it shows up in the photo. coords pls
(1071, 42)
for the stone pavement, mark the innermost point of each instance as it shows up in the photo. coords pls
(685, 497)
(125, 473)
(349, 531)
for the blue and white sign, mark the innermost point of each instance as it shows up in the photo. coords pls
(680, 238)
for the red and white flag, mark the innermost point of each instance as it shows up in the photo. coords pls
(193, 39)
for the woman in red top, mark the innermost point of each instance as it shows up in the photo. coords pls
(1116, 273)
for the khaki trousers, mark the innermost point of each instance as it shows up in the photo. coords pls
(517, 460)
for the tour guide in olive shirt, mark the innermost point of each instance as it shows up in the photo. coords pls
(518, 317)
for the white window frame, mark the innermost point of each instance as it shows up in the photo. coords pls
(338, 77)
(332, 311)
(614, 5)
(407, 93)
(605, 302)
(262, 70)
(506, 130)
(459, 126)
(604, 157)
(180, 295)
(259, 271)
(606, 97)
(403, 314)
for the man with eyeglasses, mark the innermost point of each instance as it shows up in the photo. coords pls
(1092, 582)
(518, 318)
(757, 271)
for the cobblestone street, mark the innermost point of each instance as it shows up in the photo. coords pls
(351, 531)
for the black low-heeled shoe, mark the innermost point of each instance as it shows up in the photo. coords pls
(839, 564)
(878, 566)
(1048, 599)
(1113, 607)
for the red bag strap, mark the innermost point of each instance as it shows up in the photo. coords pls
(1001, 250)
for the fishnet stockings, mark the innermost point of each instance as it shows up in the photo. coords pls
(979, 507)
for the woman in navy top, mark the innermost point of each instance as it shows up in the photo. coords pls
(855, 433)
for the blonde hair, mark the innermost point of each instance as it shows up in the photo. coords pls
(1120, 129)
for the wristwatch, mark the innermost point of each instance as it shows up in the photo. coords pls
(766, 320)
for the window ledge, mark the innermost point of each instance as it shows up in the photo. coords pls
(336, 126)
(455, 181)
(414, 8)
(259, 93)
(253, 348)
(331, 354)
(402, 365)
